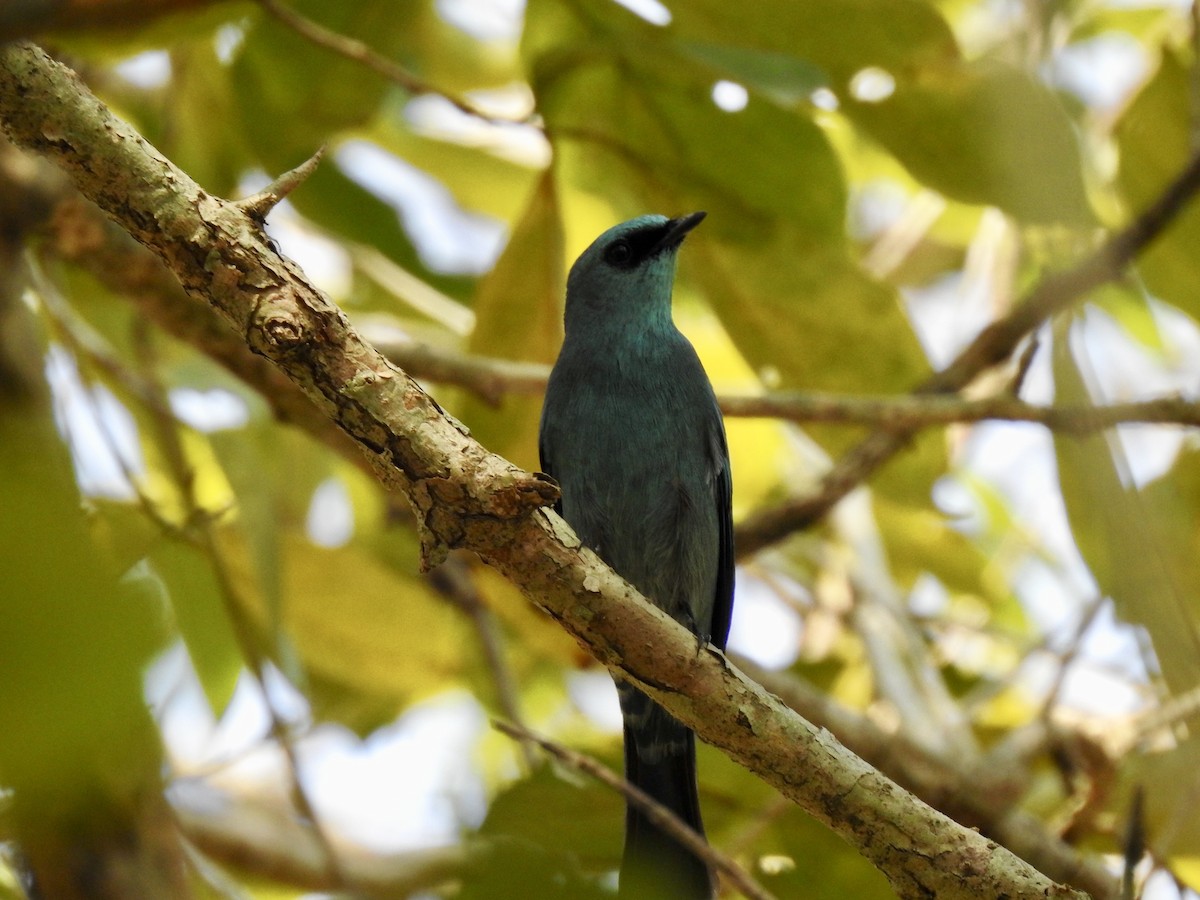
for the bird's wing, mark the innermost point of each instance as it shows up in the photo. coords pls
(722, 482)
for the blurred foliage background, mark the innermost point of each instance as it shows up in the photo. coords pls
(1005, 619)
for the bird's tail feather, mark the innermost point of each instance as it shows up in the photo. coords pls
(660, 758)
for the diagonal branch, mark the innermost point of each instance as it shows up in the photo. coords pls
(356, 50)
(991, 346)
(466, 497)
(660, 815)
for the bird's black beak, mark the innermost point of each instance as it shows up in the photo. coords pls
(677, 230)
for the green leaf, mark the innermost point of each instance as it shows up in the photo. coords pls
(291, 90)
(568, 813)
(202, 92)
(1138, 548)
(633, 121)
(519, 316)
(839, 37)
(798, 857)
(1154, 138)
(202, 614)
(372, 639)
(982, 132)
(73, 640)
(784, 78)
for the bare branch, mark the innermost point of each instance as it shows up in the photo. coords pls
(909, 413)
(981, 792)
(453, 581)
(1053, 294)
(361, 53)
(491, 379)
(256, 835)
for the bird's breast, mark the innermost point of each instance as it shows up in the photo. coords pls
(631, 451)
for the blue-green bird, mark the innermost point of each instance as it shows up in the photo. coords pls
(633, 435)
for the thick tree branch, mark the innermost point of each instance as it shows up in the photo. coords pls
(466, 497)
(981, 792)
(993, 345)
(81, 234)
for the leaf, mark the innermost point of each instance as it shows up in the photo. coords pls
(772, 258)
(979, 131)
(73, 641)
(798, 857)
(982, 132)
(202, 614)
(372, 639)
(201, 92)
(1128, 539)
(291, 89)
(569, 813)
(1154, 139)
(518, 310)
(785, 78)
(1169, 784)
(839, 37)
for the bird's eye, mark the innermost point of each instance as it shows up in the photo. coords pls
(619, 254)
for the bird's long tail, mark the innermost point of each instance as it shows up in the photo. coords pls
(660, 758)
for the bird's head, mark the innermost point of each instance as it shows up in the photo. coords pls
(628, 271)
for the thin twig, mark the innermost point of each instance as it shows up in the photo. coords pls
(909, 413)
(1173, 711)
(200, 525)
(359, 52)
(491, 379)
(1070, 653)
(658, 814)
(1053, 294)
(452, 580)
(260, 204)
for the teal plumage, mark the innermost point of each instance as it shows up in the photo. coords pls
(633, 435)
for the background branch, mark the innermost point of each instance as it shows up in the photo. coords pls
(81, 234)
(655, 811)
(466, 497)
(1053, 294)
(33, 17)
(356, 50)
